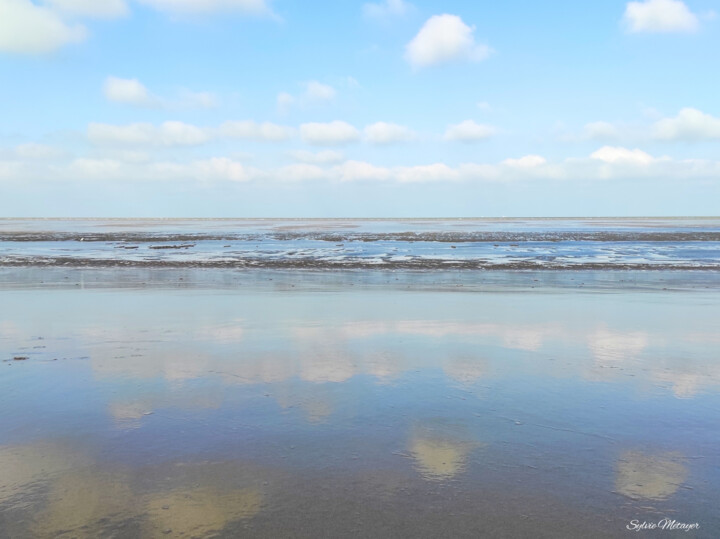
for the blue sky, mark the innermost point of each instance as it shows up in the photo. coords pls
(237, 108)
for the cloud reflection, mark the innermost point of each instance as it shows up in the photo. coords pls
(465, 370)
(199, 511)
(645, 476)
(609, 346)
(84, 503)
(440, 450)
(24, 465)
(69, 493)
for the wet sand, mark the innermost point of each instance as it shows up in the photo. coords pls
(199, 403)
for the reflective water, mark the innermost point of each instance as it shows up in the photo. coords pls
(276, 407)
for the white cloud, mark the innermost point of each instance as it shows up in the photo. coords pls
(219, 168)
(689, 124)
(168, 134)
(469, 131)
(600, 130)
(251, 7)
(101, 9)
(616, 154)
(329, 134)
(181, 134)
(358, 170)
(527, 161)
(427, 173)
(606, 164)
(442, 39)
(381, 133)
(27, 28)
(606, 132)
(130, 91)
(484, 105)
(178, 134)
(213, 169)
(316, 91)
(386, 9)
(257, 131)
(133, 92)
(325, 156)
(659, 16)
(618, 163)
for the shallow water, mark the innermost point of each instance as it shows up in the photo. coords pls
(600, 243)
(358, 404)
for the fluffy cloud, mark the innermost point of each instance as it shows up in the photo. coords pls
(329, 134)
(167, 134)
(381, 133)
(27, 28)
(257, 131)
(386, 9)
(325, 156)
(660, 16)
(252, 7)
(133, 92)
(130, 91)
(469, 131)
(442, 39)
(102, 9)
(616, 154)
(689, 124)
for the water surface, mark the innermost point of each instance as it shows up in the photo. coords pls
(286, 404)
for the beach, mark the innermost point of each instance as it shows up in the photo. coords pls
(191, 399)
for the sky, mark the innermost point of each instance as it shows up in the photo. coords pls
(280, 108)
